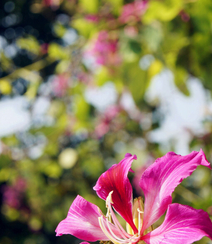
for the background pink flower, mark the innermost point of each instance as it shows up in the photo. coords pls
(132, 12)
(13, 195)
(60, 85)
(106, 119)
(105, 49)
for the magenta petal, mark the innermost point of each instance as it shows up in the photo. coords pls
(182, 224)
(82, 221)
(115, 179)
(160, 179)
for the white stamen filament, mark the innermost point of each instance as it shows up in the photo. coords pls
(116, 222)
(139, 220)
(106, 228)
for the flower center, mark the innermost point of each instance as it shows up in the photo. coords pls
(113, 229)
(137, 211)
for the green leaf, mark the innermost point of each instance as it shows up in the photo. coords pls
(6, 63)
(135, 46)
(32, 89)
(102, 76)
(180, 78)
(6, 173)
(50, 168)
(152, 37)
(30, 44)
(116, 6)
(154, 68)
(81, 108)
(90, 7)
(57, 52)
(10, 141)
(62, 66)
(135, 79)
(162, 10)
(172, 45)
(59, 30)
(93, 166)
(5, 87)
(84, 27)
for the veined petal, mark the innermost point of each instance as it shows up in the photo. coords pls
(182, 224)
(160, 179)
(115, 179)
(82, 221)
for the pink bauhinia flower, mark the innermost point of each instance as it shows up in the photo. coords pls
(13, 194)
(105, 121)
(51, 3)
(182, 224)
(60, 84)
(105, 49)
(132, 12)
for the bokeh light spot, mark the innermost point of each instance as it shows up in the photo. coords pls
(9, 6)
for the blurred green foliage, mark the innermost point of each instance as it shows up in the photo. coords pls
(53, 43)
